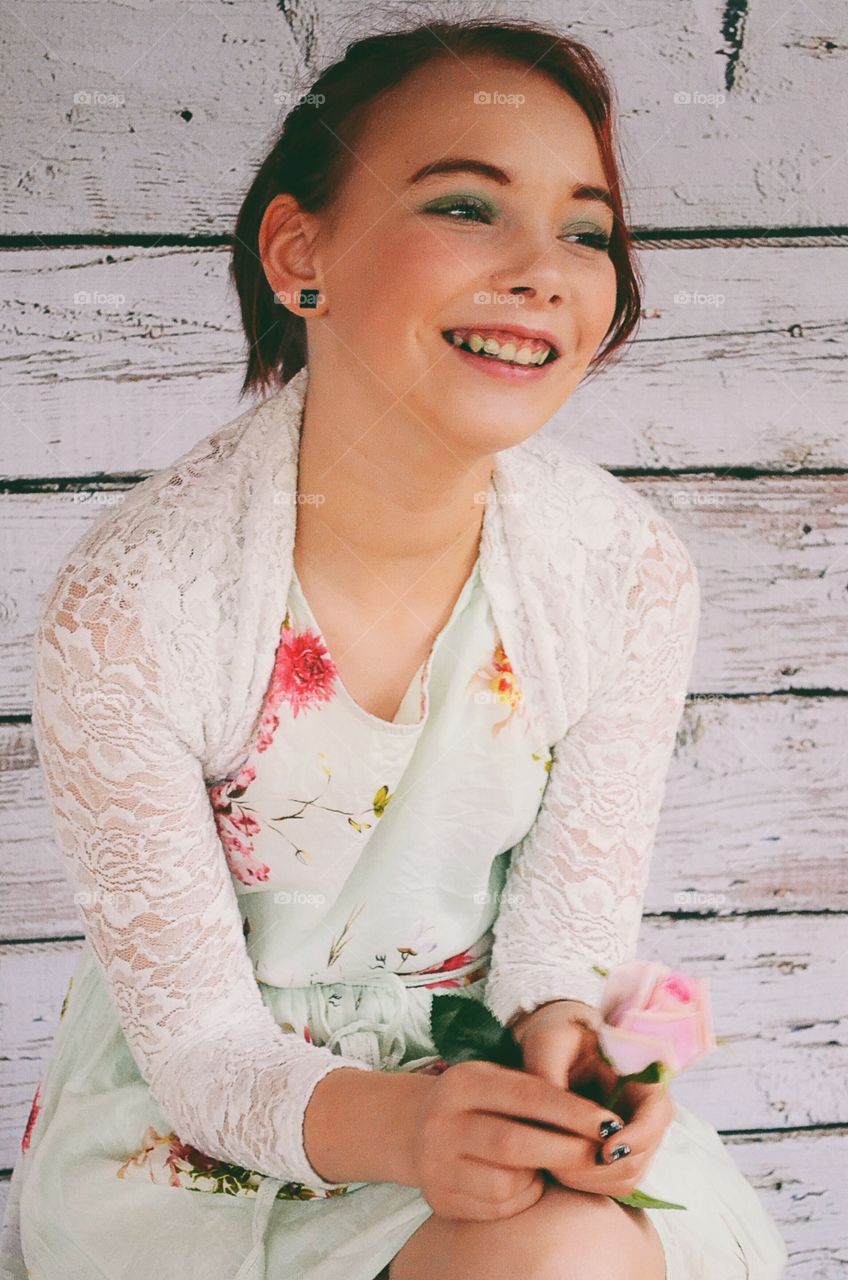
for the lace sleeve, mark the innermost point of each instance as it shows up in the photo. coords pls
(138, 838)
(575, 887)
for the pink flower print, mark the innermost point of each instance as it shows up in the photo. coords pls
(268, 726)
(434, 1068)
(33, 1116)
(182, 1156)
(500, 685)
(456, 962)
(166, 1159)
(304, 673)
(237, 827)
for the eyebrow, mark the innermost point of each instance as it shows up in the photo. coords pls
(463, 164)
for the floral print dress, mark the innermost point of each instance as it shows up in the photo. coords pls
(357, 844)
(368, 858)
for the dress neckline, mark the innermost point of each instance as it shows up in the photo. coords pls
(420, 679)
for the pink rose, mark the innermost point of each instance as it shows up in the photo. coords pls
(654, 1014)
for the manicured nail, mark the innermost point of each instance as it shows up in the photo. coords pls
(610, 1126)
(617, 1152)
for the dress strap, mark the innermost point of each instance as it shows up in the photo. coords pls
(253, 1267)
(382, 1044)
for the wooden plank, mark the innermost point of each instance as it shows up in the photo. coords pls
(800, 1179)
(775, 984)
(771, 555)
(123, 358)
(119, 360)
(33, 981)
(753, 818)
(145, 119)
(772, 558)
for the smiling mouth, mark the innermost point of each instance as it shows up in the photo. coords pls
(452, 341)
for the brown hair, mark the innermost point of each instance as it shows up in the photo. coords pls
(313, 153)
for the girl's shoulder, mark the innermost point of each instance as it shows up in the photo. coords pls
(577, 512)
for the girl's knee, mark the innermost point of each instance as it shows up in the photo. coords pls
(584, 1236)
(565, 1235)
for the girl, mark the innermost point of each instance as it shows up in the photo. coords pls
(372, 694)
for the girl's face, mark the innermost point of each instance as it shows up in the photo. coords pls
(403, 260)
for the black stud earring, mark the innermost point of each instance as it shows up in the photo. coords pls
(309, 298)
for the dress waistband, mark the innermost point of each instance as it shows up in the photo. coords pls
(439, 976)
(381, 1044)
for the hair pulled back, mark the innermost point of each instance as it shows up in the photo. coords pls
(316, 147)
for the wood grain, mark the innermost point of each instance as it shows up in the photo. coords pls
(753, 818)
(119, 360)
(717, 126)
(782, 1063)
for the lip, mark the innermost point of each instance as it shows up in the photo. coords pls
(518, 330)
(500, 370)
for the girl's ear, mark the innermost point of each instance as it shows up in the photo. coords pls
(286, 235)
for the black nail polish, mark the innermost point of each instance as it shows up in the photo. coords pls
(610, 1126)
(621, 1150)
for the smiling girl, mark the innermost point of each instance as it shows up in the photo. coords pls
(373, 694)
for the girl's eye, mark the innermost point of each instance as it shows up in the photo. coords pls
(472, 206)
(594, 239)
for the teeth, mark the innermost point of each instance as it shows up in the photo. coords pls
(509, 352)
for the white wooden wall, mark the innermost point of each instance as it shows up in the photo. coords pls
(131, 132)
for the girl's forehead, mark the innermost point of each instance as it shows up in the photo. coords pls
(544, 133)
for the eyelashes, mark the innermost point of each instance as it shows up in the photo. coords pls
(594, 239)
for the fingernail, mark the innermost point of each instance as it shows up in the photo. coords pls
(617, 1152)
(610, 1126)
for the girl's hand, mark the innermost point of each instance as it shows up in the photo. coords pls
(477, 1139)
(566, 1053)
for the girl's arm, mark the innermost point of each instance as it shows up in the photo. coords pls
(573, 897)
(138, 836)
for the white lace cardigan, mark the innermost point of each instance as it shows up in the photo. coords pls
(153, 651)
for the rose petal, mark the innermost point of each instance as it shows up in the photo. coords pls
(630, 986)
(679, 986)
(630, 1053)
(683, 1031)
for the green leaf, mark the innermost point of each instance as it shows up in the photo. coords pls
(641, 1200)
(463, 1029)
(654, 1073)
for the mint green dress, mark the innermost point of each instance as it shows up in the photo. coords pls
(386, 845)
